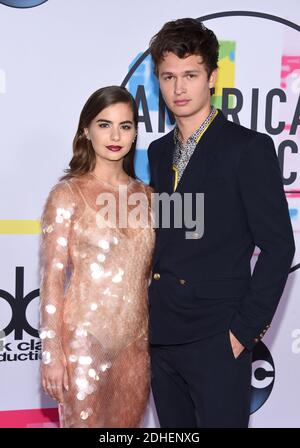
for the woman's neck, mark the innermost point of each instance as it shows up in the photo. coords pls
(110, 172)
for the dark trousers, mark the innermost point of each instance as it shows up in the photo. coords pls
(201, 384)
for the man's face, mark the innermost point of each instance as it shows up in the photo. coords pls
(185, 85)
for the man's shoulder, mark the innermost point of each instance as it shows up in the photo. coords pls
(162, 141)
(240, 132)
(241, 137)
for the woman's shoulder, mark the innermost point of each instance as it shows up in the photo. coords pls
(70, 185)
(142, 186)
(61, 188)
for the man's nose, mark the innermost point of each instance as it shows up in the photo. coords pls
(179, 87)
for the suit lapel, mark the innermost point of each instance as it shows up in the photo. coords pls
(194, 174)
(165, 174)
(202, 158)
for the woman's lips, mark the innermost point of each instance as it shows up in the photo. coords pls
(114, 148)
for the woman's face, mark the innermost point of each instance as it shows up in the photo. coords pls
(112, 132)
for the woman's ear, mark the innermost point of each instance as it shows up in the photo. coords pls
(86, 133)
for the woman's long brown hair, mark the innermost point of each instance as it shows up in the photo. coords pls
(84, 158)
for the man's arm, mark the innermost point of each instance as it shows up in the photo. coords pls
(265, 203)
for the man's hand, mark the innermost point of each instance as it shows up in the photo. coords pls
(236, 346)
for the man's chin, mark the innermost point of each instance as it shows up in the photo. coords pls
(183, 113)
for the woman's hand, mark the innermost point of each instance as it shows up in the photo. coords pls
(55, 379)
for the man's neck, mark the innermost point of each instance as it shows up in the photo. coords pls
(188, 125)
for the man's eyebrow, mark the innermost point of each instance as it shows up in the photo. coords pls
(185, 72)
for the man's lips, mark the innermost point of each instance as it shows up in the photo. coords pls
(181, 102)
(114, 148)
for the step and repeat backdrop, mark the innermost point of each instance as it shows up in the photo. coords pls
(53, 55)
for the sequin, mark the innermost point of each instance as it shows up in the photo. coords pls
(81, 396)
(79, 370)
(85, 360)
(103, 244)
(62, 241)
(43, 334)
(59, 265)
(51, 309)
(118, 277)
(92, 373)
(51, 334)
(82, 383)
(105, 366)
(89, 318)
(84, 415)
(46, 357)
(96, 270)
(91, 389)
(101, 258)
(81, 332)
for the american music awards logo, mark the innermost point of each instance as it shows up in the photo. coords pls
(22, 3)
(279, 102)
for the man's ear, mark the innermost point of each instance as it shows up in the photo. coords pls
(213, 78)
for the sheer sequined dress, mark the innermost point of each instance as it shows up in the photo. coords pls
(94, 309)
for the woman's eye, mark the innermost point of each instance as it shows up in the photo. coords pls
(126, 127)
(103, 125)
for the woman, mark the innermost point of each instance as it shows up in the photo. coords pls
(95, 272)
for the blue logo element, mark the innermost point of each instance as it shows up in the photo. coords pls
(144, 76)
(143, 85)
(293, 213)
(22, 3)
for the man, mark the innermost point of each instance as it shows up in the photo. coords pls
(207, 311)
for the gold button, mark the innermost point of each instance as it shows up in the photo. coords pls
(182, 281)
(261, 335)
(156, 276)
(256, 340)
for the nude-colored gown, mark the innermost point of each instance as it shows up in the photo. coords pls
(94, 308)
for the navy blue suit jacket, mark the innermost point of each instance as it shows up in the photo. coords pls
(205, 285)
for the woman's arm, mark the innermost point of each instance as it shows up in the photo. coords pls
(55, 223)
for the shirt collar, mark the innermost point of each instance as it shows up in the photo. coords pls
(192, 140)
